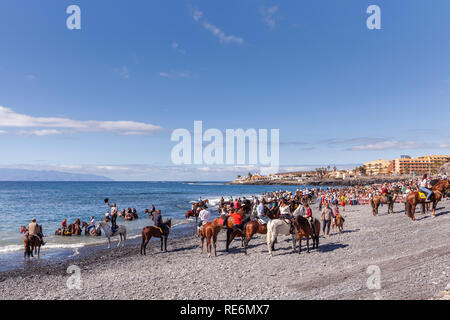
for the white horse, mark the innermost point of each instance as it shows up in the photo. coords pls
(277, 227)
(121, 231)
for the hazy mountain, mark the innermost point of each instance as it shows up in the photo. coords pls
(34, 175)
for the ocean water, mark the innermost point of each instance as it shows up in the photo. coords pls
(51, 202)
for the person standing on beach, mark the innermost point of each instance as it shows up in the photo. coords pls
(326, 216)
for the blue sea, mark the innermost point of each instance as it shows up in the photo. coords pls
(51, 202)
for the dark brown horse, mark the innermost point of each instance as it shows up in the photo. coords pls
(31, 243)
(95, 231)
(305, 230)
(415, 198)
(382, 199)
(156, 232)
(251, 228)
(192, 213)
(210, 232)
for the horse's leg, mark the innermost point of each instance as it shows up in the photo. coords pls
(162, 243)
(109, 242)
(229, 231)
(307, 243)
(299, 244)
(214, 243)
(413, 211)
(165, 243)
(208, 245)
(203, 238)
(120, 240)
(433, 214)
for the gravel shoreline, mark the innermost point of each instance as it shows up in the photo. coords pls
(413, 258)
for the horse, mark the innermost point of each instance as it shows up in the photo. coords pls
(95, 231)
(338, 223)
(252, 228)
(377, 200)
(156, 232)
(415, 198)
(121, 231)
(192, 213)
(63, 233)
(276, 227)
(131, 215)
(208, 231)
(31, 243)
(305, 230)
(75, 228)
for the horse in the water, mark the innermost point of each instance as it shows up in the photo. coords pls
(121, 232)
(75, 228)
(31, 243)
(415, 198)
(304, 229)
(156, 232)
(210, 232)
(94, 231)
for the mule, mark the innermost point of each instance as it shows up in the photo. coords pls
(156, 232)
(121, 232)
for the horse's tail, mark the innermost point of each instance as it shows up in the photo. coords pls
(372, 203)
(408, 208)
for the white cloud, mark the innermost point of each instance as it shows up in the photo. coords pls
(197, 15)
(41, 133)
(175, 45)
(392, 144)
(11, 119)
(174, 75)
(3, 132)
(124, 72)
(30, 77)
(268, 15)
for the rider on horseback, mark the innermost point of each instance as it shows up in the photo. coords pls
(205, 217)
(33, 228)
(424, 187)
(286, 215)
(113, 216)
(91, 224)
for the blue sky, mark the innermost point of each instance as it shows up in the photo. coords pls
(105, 99)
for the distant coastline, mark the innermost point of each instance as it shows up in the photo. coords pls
(16, 175)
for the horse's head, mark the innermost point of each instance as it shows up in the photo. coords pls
(23, 229)
(168, 223)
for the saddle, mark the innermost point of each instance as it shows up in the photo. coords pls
(423, 196)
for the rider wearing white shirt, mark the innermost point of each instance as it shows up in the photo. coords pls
(424, 187)
(205, 217)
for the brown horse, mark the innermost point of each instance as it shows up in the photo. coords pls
(305, 230)
(209, 231)
(31, 243)
(95, 231)
(414, 198)
(192, 213)
(156, 232)
(251, 228)
(75, 228)
(338, 223)
(378, 200)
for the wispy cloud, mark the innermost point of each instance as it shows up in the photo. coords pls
(30, 77)
(11, 119)
(269, 16)
(123, 71)
(40, 133)
(198, 16)
(176, 46)
(174, 75)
